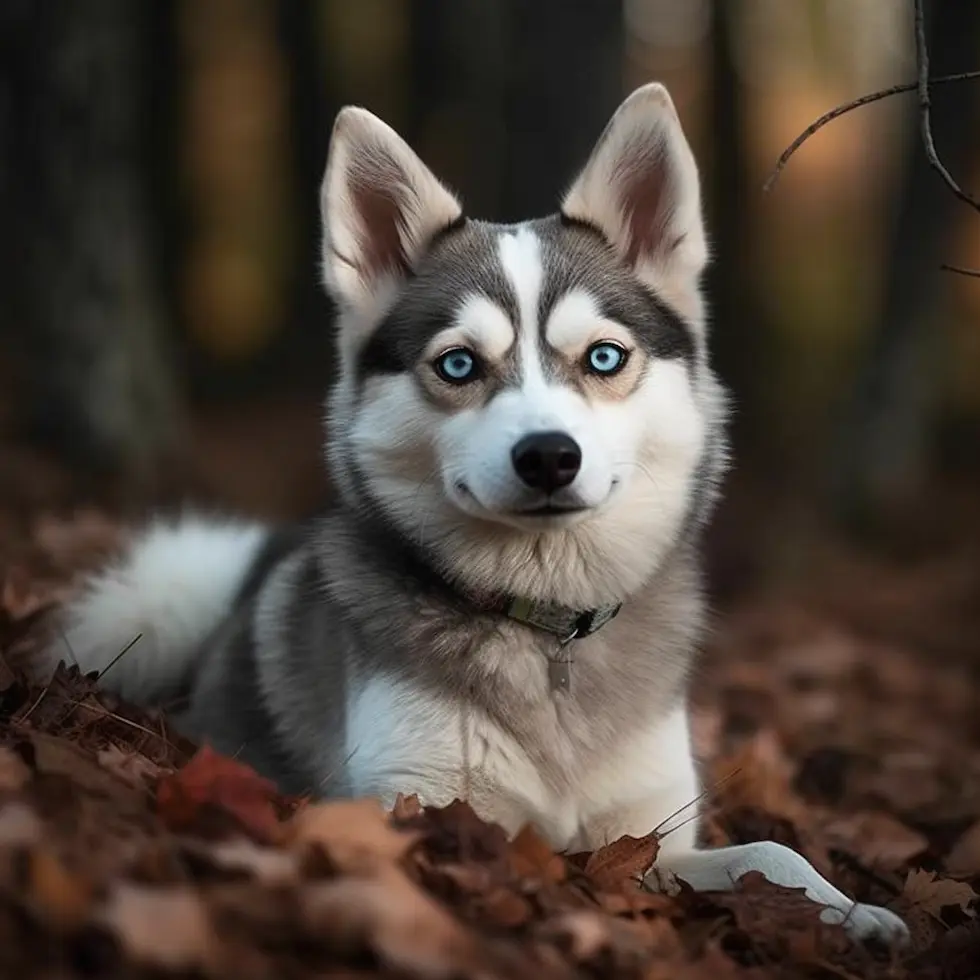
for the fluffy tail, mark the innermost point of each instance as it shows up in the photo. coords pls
(175, 583)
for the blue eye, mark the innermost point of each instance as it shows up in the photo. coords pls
(456, 365)
(606, 358)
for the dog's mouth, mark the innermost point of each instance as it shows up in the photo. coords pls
(547, 513)
(549, 510)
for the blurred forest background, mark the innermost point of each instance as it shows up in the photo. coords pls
(163, 334)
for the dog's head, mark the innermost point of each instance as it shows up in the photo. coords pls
(530, 402)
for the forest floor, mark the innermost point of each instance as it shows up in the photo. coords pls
(844, 721)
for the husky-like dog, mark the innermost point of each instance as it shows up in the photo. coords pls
(505, 602)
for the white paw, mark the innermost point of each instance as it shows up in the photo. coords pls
(869, 922)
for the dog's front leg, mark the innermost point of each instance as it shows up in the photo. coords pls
(720, 869)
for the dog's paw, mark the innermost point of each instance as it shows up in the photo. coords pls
(869, 922)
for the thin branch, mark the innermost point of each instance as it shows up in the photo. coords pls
(925, 105)
(922, 87)
(841, 110)
(959, 270)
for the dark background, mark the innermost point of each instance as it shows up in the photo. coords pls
(164, 336)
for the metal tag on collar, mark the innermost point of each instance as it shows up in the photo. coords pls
(560, 666)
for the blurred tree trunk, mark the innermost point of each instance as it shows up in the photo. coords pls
(883, 453)
(508, 98)
(84, 311)
(737, 319)
(564, 68)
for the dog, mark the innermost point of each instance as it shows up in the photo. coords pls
(505, 602)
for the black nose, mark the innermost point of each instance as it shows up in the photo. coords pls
(547, 460)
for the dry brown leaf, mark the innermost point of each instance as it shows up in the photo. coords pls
(759, 774)
(634, 902)
(134, 767)
(56, 755)
(14, 773)
(586, 932)
(19, 825)
(391, 918)
(927, 891)
(64, 897)
(357, 835)
(531, 856)
(406, 807)
(504, 908)
(163, 927)
(622, 861)
(879, 840)
(761, 907)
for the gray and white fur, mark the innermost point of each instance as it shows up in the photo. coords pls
(523, 411)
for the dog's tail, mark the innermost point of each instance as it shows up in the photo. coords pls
(174, 584)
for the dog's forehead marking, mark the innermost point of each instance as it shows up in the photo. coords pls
(521, 259)
(481, 322)
(575, 319)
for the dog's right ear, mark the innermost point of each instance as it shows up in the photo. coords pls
(380, 206)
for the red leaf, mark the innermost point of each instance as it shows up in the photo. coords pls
(213, 780)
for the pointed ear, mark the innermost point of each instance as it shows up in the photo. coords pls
(640, 189)
(380, 206)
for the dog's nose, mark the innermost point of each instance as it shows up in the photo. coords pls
(547, 460)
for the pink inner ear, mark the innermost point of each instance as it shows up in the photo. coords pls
(644, 180)
(374, 194)
(379, 214)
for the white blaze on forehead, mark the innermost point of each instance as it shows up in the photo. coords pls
(479, 323)
(576, 320)
(520, 256)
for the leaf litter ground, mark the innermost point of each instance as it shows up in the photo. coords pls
(846, 727)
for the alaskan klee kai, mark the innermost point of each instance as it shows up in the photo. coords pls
(505, 603)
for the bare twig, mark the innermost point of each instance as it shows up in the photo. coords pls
(925, 106)
(841, 110)
(975, 273)
(122, 653)
(922, 86)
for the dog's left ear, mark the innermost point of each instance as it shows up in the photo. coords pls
(381, 206)
(640, 189)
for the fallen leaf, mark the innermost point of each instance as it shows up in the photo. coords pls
(14, 773)
(761, 907)
(531, 856)
(134, 767)
(879, 840)
(635, 902)
(61, 895)
(406, 807)
(163, 927)
(56, 755)
(927, 891)
(504, 908)
(622, 861)
(357, 835)
(390, 918)
(214, 780)
(586, 933)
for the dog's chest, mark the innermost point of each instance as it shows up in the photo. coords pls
(517, 736)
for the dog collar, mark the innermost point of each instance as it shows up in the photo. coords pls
(564, 623)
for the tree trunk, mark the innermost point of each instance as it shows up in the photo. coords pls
(85, 321)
